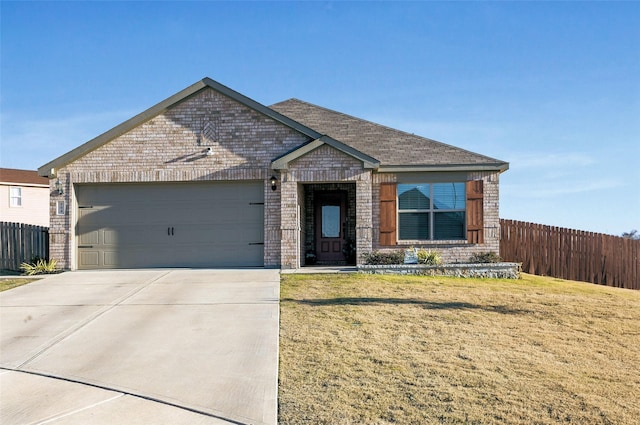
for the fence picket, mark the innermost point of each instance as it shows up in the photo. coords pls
(571, 254)
(21, 243)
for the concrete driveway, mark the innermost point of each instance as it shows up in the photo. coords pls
(141, 346)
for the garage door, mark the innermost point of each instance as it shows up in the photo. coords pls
(170, 225)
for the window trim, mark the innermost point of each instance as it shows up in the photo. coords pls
(431, 212)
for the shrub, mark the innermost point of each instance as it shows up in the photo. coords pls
(485, 257)
(378, 258)
(39, 267)
(429, 257)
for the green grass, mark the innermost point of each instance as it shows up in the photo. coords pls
(12, 282)
(396, 349)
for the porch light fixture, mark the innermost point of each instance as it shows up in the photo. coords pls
(59, 187)
(274, 180)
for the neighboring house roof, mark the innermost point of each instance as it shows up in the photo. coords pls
(22, 177)
(395, 149)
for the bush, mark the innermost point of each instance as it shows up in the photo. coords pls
(378, 258)
(39, 267)
(485, 257)
(429, 257)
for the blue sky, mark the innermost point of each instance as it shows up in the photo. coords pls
(551, 87)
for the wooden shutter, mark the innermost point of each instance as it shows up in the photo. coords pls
(387, 214)
(475, 212)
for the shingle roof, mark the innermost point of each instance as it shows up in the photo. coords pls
(12, 175)
(377, 146)
(389, 146)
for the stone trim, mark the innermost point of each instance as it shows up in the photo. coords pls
(488, 270)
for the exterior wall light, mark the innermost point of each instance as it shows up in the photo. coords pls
(274, 182)
(59, 187)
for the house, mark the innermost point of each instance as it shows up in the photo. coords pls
(212, 178)
(24, 197)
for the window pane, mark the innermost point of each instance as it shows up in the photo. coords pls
(60, 207)
(330, 221)
(449, 196)
(413, 196)
(15, 194)
(448, 225)
(413, 226)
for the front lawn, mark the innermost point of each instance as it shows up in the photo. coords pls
(362, 349)
(12, 282)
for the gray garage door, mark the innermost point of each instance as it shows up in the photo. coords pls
(170, 225)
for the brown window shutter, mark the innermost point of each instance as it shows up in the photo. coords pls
(475, 212)
(387, 214)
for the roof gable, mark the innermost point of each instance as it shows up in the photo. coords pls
(282, 163)
(396, 150)
(49, 168)
(377, 146)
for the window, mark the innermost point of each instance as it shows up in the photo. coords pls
(60, 208)
(434, 211)
(330, 221)
(15, 196)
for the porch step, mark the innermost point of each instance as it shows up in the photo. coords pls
(320, 270)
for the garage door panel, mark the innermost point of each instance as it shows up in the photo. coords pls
(125, 235)
(89, 258)
(90, 237)
(98, 215)
(217, 233)
(170, 225)
(143, 236)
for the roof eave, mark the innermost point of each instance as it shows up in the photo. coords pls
(499, 167)
(3, 183)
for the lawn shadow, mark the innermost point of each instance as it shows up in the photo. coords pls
(431, 305)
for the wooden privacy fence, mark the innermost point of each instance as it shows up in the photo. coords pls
(571, 254)
(22, 243)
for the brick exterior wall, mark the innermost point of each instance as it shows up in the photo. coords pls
(451, 252)
(171, 147)
(322, 165)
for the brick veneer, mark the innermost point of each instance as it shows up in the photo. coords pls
(452, 252)
(322, 165)
(171, 147)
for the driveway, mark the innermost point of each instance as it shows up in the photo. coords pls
(141, 346)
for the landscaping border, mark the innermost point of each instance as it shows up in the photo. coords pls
(487, 270)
